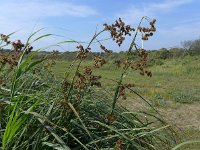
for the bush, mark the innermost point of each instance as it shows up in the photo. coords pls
(158, 62)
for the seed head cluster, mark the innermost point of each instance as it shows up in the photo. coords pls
(122, 92)
(105, 49)
(52, 60)
(141, 64)
(99, 61)
(120, 144)
(82, 52)
(11, 58)
(110, 118)
(119, 30)
(147, 32)
(5, 39)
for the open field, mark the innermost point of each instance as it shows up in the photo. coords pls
(177, 80)
(174, 90)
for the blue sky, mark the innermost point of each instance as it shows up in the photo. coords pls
(177, 20)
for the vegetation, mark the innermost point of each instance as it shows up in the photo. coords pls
(48, 103)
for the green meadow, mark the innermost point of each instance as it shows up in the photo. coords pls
(173, 90)
(176, 80)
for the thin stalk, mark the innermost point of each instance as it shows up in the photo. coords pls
(79, 64)
(126, 68)
(133, 41)
(13, 90)
(117, 91)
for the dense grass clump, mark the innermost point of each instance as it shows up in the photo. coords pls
(40, 112)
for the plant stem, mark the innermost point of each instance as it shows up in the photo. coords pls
(126, 68)
(79, 64)
(133, 41)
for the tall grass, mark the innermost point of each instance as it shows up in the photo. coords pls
(39, 112)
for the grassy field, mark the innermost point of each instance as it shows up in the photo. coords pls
(177, 80)
(174, 90)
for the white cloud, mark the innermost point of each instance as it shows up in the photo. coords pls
(23, 9)
(24, 14)
(169, 4)
(173, 36)
(182, 32)
(27, 16)
(151, 9)
(166, 36)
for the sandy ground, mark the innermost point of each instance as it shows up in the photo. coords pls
(175, 114)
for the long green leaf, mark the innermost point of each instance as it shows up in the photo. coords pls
(185, 143)
(32, 34)
(56, 146)
(43, 36)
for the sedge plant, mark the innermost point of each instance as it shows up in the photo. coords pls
(40, 112)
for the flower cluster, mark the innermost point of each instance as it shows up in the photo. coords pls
(120, 145)
(17, 46)
(5, 38)
(52, 60)
(119, 30)
(65, 87)
(110, 118)
(13, 56)
(105, 49)
(140, 65)
(94, 80)
(147, 32)
(82, 81)
(122, 89)
(87, 71)
(82, 53)
(99, 61)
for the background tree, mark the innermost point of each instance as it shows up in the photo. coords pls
(187, 46)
